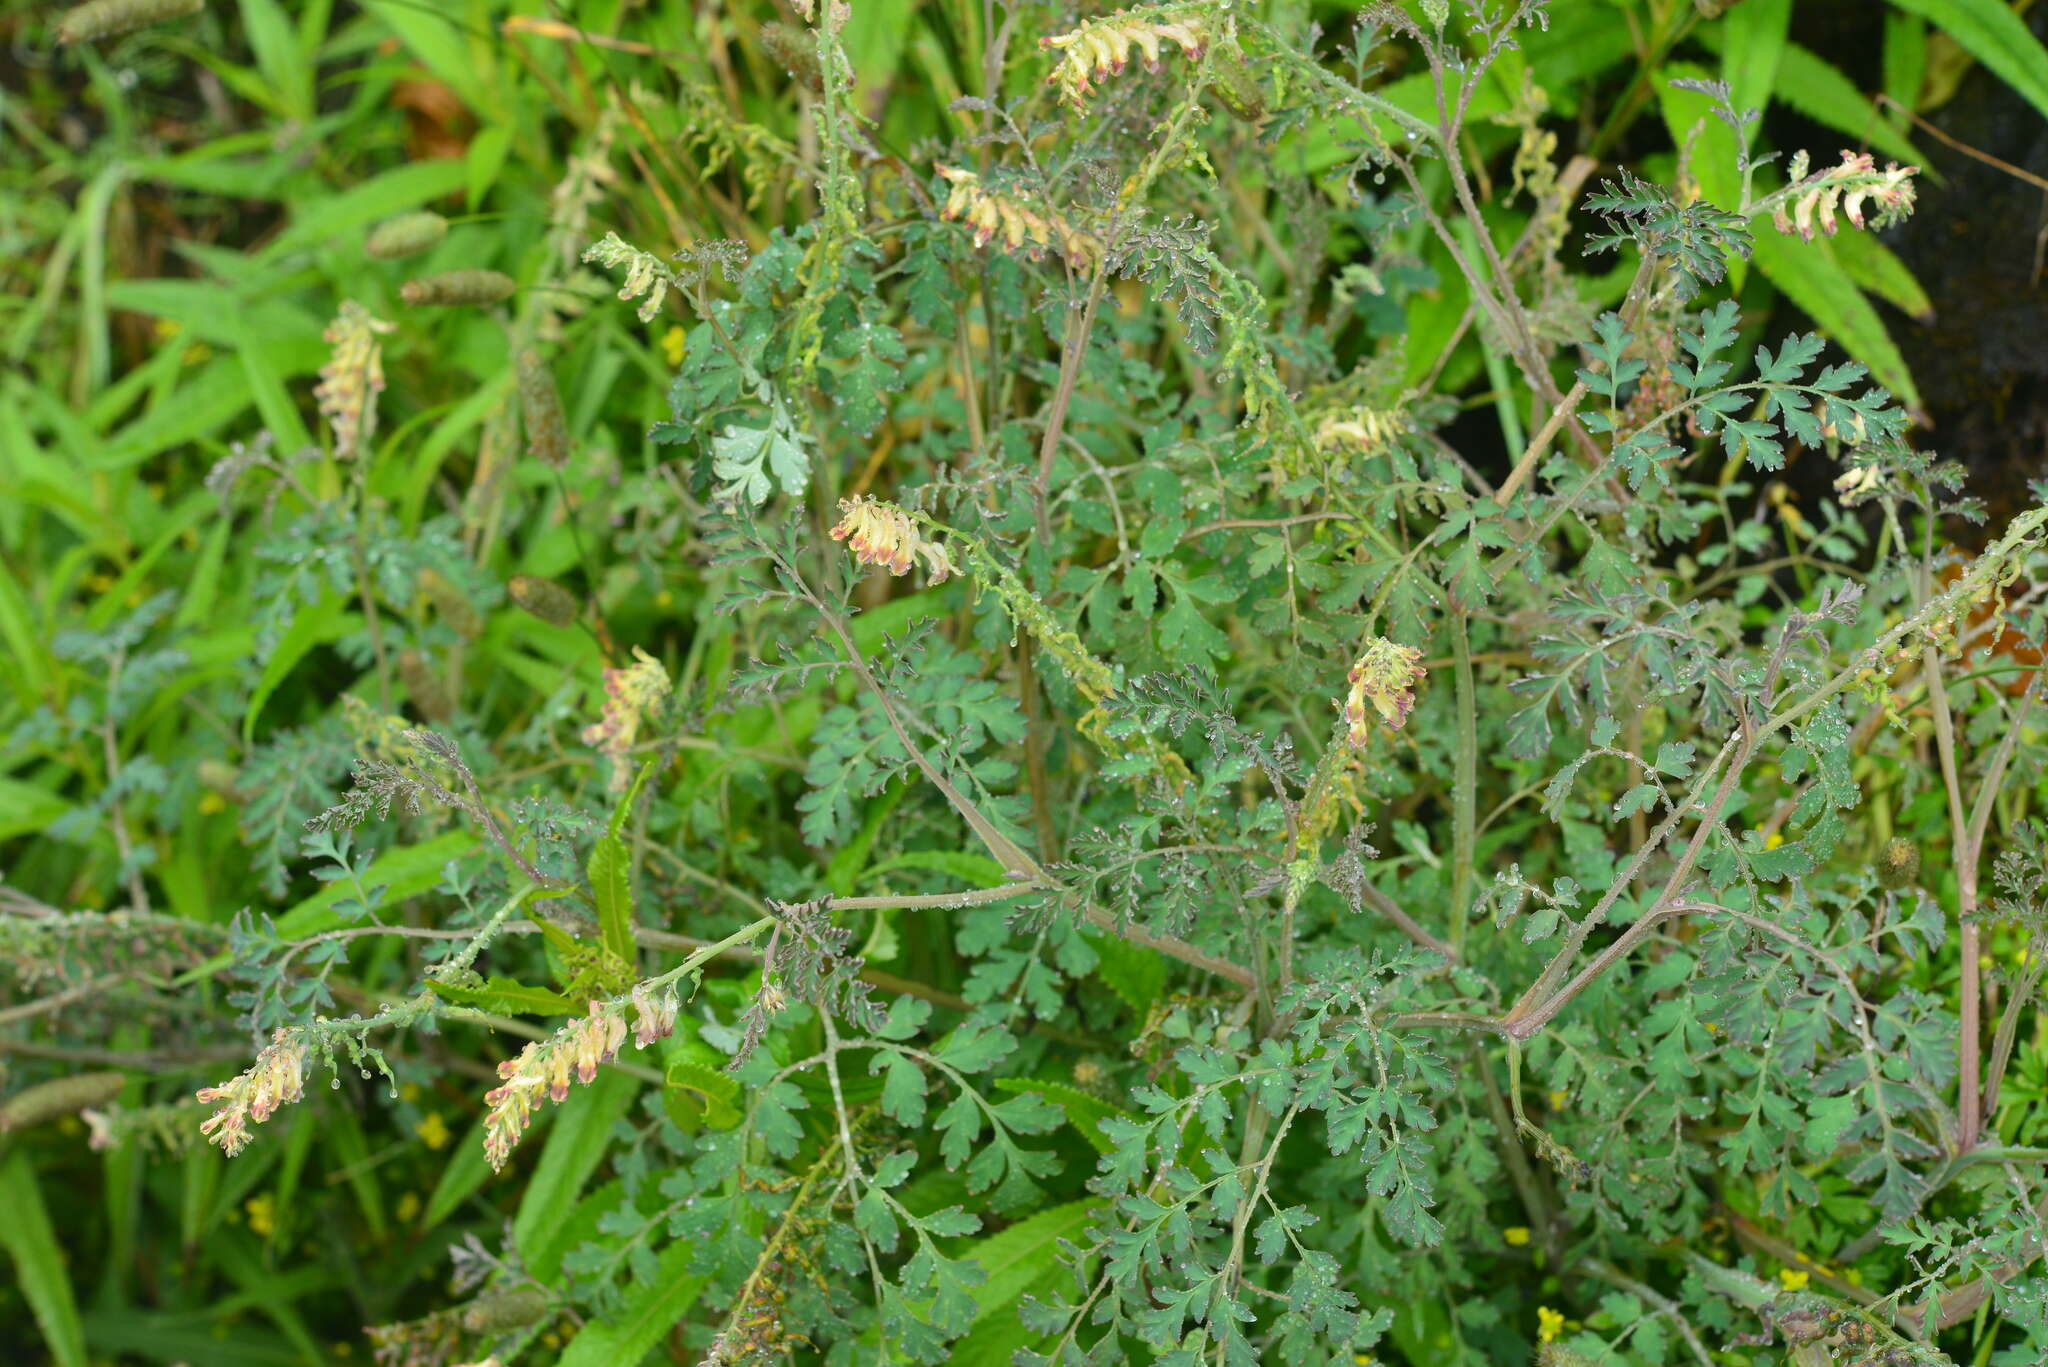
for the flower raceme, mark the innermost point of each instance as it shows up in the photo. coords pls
(270, 1082)
(577, 1048)
(1848, 186)
(629, 694)
(1101, 48)
(883, 534)
(1384, 679)
(993, 214)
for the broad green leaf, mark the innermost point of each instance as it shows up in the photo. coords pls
(1877, 270)
(467, 1170)
(651, 1309)
(697, 1096)
(1989, 31)
(506, 997)
(1085, 1111)
(315, 625)
(576, 1145)
(38, 1264)
(1753, 41)
(611, 882)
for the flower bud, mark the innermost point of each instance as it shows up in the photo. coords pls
(406, 235)
(457, 288)
(545, 599)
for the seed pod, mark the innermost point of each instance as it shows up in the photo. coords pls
(545, 599)
(1898, 863)
(452, 604)
(547, 435)
(406, 235)
(106, 18)
(424, 686)
(457, 288)
(65, 1096)
(500, 1311)
(793, 50)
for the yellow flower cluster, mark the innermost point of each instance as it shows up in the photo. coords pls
(992, 214)
(1847, 186)
(578, 1048)
(270, 1082)
(883, 534)
(630, 693)
(1101, 48)
(1384, 679)
(352, 378)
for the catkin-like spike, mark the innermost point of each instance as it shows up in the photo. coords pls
(547, 433)
(424, 686)
(62, 1097)
(406, 235)
(544, 598)
(498, 1312)
(794, 50)
(452, 604)
(106, 18)
(458, 288)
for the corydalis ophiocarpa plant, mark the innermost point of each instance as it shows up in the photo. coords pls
(998, 214)
(1100, 49)
(352, 378)
(630, 693)
(1383, 683)
(545, 1067)
(883, 534)
(273, 1080)
(1850, 185)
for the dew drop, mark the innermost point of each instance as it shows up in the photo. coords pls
(334, 1084)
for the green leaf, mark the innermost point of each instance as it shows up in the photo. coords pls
(651, 1309)
(506, 996)
(1753, 41)
(1808, 275)
(467, 1170)
(697, 1096)
(746, 458)
(1876, 270)
(314, 625)
(38, 1265)
(1084, 1110)
(1989, 31)
(576, 1145)
(611, 883)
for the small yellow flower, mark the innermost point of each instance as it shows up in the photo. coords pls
(673, 343)
(433, 1131)
(262, 1214)
(1773, 840)
(1516, 1235)
(1853, 1277)
(409, 1205)
(1557, 1100)
(409, 1092)
(1549, 1324)
(1792, 1281)
(209, 803)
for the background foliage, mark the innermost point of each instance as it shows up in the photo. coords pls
(957, 682)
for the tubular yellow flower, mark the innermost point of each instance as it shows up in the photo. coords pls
(630, 693)
(1516, 1235)
(1384, 678)
(352, 378)
(883, 534)
(577, 1048)
(1022, 228)
(270, 1082)
(1101, 48)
